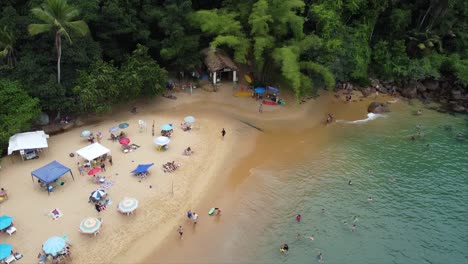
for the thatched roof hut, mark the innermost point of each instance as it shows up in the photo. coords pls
(218, 60)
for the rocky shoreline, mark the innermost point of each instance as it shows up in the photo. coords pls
(451, 97)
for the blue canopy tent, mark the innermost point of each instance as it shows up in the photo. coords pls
(273, 90)
(50, 173)
(142, 168)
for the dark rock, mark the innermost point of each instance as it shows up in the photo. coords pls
(456, 94)
(366, 91)
(378, 107)
(409, 92)
(431, 85)
(458, 108)
(420, 87)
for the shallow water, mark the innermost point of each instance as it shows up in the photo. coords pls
(419, 188)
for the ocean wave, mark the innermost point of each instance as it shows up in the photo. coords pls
(370, 116)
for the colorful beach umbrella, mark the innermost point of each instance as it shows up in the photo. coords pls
(161, 141)
(114, 129)
(94, 171)
(85, 133)
(54, 245)
(260, 90)
(5, 250)
(5, 221)
(90, 225)
(128, 205)
(98, 194)
(189, 119)
(124, 141)
(166, 127)
(123, 125)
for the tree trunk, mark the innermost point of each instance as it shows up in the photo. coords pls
(58, 46)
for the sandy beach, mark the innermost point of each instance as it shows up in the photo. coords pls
(125, 238)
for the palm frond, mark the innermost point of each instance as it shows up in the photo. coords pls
(35, 29)
(79, 26)
(43, 15)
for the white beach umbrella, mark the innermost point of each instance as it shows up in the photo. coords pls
(189, 119)
(98, 194)
(161, 141)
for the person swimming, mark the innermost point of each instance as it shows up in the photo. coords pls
(311, 237)
(353, 228)
(350, 182)
(284, 248)
(370, 199)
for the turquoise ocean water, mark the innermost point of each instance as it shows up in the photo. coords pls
(419, 212)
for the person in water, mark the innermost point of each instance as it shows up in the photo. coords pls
(298, 218)
(370, 199)
(320, 257)
(350, 182)
(284, 248)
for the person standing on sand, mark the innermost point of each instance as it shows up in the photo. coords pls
(223, 133)
(110, 160)
(80, 168)
(260, 108)
(181, 232)
(189, 214)
(103, 166)
(195, 218)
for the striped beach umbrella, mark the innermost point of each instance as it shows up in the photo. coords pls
(98, 194)
(128, 205)
(90, 225)
(54, 245)
(5, 250)
(189, 119)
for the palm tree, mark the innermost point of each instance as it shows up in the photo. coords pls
(58, 17)
(7, 42)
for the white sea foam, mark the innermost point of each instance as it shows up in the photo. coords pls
(370, 116)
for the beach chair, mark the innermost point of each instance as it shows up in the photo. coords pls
(11, 230)
(9, 259)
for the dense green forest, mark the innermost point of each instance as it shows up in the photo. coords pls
(85, 56)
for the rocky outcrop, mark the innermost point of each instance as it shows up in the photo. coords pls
(378, 108)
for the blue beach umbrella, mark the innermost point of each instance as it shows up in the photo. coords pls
(260, 90)
(54, 245)
(85, 133)
(189, 119)
(98, 194)
(166, 127)
(5, 250)
(114, 129)
(124, 125)
(5, 221)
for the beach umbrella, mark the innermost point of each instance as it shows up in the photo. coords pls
(85, 133)
(54, 245)
(161, 141)
(114, 129)
(166, 127)
(5, 250)
(260, 90)
(94, 171)
(124, 141)
(123, 125)
(128, 205)
(189, 119)
(98, 194)
(5, 221)
(90, 225)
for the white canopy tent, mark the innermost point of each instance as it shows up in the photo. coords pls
(28, 140)
(92, 151)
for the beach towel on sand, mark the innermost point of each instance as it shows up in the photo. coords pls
(55, 214)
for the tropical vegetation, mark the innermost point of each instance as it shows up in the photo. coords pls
(116, 51)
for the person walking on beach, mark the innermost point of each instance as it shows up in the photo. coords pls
(181, 232)
(223, 133)
(110, 160)
(189, 214)
(103, 166)
(298, 218)
(195, 218)
(260, 108)
(80, 168)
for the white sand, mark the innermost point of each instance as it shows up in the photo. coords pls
(159, 211)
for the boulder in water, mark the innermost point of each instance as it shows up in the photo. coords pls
(378, 107)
